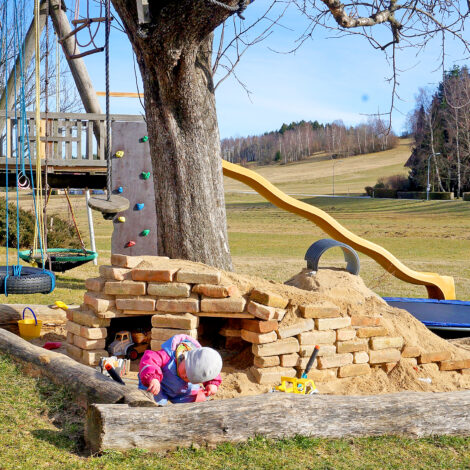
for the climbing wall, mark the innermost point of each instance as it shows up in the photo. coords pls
(135, 230)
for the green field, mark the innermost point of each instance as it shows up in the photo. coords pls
(42, 428)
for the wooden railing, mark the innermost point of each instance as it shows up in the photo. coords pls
(68, 139)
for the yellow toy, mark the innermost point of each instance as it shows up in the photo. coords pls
(303, 385)
(60, 304)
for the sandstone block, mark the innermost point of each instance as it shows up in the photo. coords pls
(455, 365)
(303, 361)
(74, 352)
(332, 323)
(268, 361)
(258, 338)
(384, 355)
(271, 375)
(289, 360)
(362, 320)
(89, 318)
(229, 304)
(93, 333)
(345, 334)
(384, 342)
(261, 311)
(317, 337)
(411, 351)
(154, 274)
(306, 350)
(371, 331)
(183, 321)
(353, 345)
(99, 302)
(320, 310)
(214, 291)
(156, 345)
(230, 332)
(72, 327)
(162, 334)
(282, 346)
(437, 356)
(69, 314)
(125, 288)
(125, 261)
(323, 375)
(92, 357)
(338, 360)
(136, 303)
(295, 329)
(353, 370)
(194, 277)
(268, 298)
(260, 326)
(389, 366)
(169, 289)
(70, 337)
(84, 343)
(360, 357)
(95, 284)
(279, 314)
(189, 305)
(113, 273)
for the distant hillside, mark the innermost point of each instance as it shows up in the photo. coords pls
(315, 175)
(298, 141)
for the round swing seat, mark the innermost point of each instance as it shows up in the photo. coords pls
(62, 259)
(108, 207)
(30, 281)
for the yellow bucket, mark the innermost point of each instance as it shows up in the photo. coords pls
(29, 328)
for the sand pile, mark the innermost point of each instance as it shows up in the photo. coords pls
(353, 297)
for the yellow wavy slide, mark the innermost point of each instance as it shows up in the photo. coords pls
(438, 287)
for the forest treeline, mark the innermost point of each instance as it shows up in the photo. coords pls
(440, 126)
(299, 140)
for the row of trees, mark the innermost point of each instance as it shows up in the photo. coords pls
(299, 140)
(440, 126)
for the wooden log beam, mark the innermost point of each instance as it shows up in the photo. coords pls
(77, 66)
(86, 384)
(11, 313)
(277, 415)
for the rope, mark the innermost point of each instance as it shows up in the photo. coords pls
(74, 220)
(108, 123)
(242, 4)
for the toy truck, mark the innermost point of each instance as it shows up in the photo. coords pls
(123, 345)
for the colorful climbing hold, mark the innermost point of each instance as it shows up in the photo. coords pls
(139, 206)
(144, 138)
(145, 232)
(145, 175)
(120, 153)
(121, 219)
(120, 189)
(130, 243)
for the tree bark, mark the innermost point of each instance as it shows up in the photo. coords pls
(174, 56)
(277, 415)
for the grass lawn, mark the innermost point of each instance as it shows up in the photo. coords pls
(40, 427)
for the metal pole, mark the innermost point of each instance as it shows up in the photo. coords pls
(90, 225)
(333, 179)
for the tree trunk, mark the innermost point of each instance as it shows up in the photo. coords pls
(174, 56)
(277, 415)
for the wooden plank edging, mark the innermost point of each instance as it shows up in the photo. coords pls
(277, 415)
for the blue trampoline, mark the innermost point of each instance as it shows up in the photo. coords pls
(451, 315)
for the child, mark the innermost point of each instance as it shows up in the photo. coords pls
(175, 372)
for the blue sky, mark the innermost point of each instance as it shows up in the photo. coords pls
(327, 79)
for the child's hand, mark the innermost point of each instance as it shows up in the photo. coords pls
(211, 389)
(154, 387)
